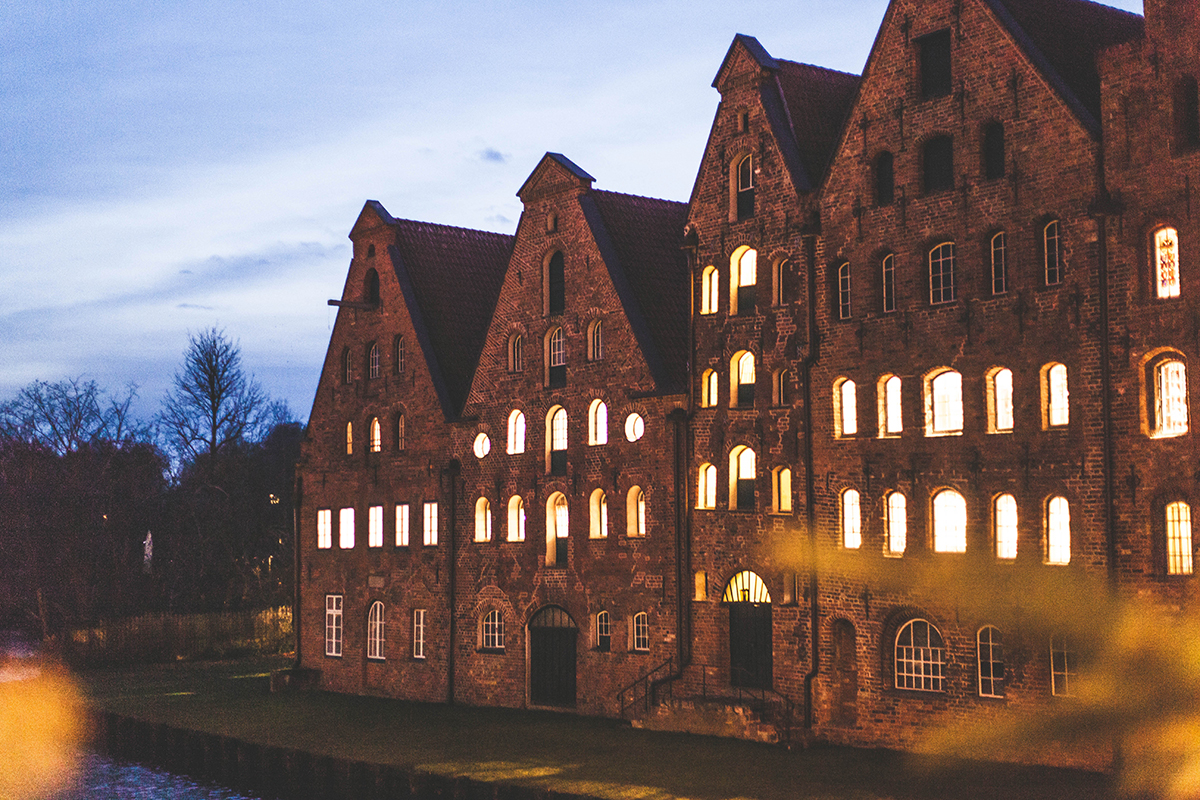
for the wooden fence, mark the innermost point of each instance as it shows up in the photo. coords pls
(170, 637)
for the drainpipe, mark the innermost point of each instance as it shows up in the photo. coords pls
(683, 545)
(452, 470)
(810, 488)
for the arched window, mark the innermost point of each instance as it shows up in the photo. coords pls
(1166, 262)
(1058, 531)
(373, 360)
(1186, 114)
(557, 530)
(398, 354)
(596, 340)
(949, 522)
(597, 423)
(745, 188)
(743, 278)
(941, 274)
(491, 631)
(779, 387)
(708, 389)
(1179, 538)
(1062, 666)
(1168, 397)
(635, 512)
(885, 179)
(556, 284)
(347, 367)
(938, 164)
(516, 353)
(741, 478)
(851, 520)
(887, 278)
(400, 432)
(603, 631)
(999, 257)
(779, 273)
(516, 519)
(896, 511)
(375, 632)
(635, 427)
(843, 290)
(371, 287)
(993, 151)
(887, 391)
(598, 515)
(920, 657)
(516, 432)
(989, 652)
(746, 587)
(483, 520)
(845, 408)
(556, 359)
(1004, 525)
(741, 369)
(781, 490)
(1055, 397)
(1051, 251)
(556, 441)
(376, 435)
(349, 438)
(999, 382)
(943, 403)
(710, 290)
(706, 489)
(641, 632)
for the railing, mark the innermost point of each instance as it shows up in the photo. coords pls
(642, 694)
(774, 707)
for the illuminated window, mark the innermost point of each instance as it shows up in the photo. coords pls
(743, 266)
(845, 408)
(516, 432)
(710, 283)
(635, 427)
(1170, 408)
(887, 269)
(557, 530)
(603, 632)
(941, 274)
(598, 515)
(1051, 250)
(556, 441)
(430, 533)
(851, 520)
(398, 354)
(375, 526)
(418, 633)
(741, 479)
(1055, 398)
(482, 445)
(516, 353)
(949, 522)
(399, 431)
(1058, 531)
(888, 393)
(597, 423)
(708, 389)
(943, 403)
(556, 284)
(556, 354)
(706, 490)
(324, 529)
(781, 490)
(742, 374)
(516, 519)
(1179, 538)
(375, 632)
(989, 652)
(1166, 262)
(349, 438)
(896, 510)
(999, 263)
(402, 525)
(1004, 522)
(596, 341)
(745, 188)
(843, 290)
(1062, 666)
(1000, 400)
(376, 435)
(641, 632)
(635, 512)
(483, 520)
(885, 179)
(700, 585)
(920, 657)
(346, 529)
(492, 631)
(333, 625)
(373, 361)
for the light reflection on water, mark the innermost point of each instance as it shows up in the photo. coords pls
(105, 779)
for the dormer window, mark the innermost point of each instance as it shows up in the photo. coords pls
(745, 188)
(935, 64)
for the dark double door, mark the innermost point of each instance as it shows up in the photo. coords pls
(750, 654)
(552, 643)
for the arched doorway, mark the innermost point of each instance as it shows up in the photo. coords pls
(845, 673)
(552, 635)
(750, 650)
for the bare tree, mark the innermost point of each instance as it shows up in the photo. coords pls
(67, 415)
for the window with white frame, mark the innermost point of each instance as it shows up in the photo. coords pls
(375, 526)
(920, 657)
(347, 367)
(597, 423)
(989, 657)
(556, 441)
(603, 631)
(324, 528)
(635, 512)
(941, 274)
(373, 361)
(598, 515)
(1051, 250)
(1062, 666)
(851, 520)
(516, 432)
(1004, 526)
(887, 390)
(742, 377)
(896, 520)
(1166, 262)
(1055, 397)
(641, 632)
(376, 435)
(943, 403)
(779, 273)
(843, 290)
(710, 283)
(346, 528)
(418, 633)
(556, 359)
(375, 632)
(399, 431)
(349, 438)
(491, 633)
(706, 490)
(482, 445)
(1170, 398)
(708, 389)
(845, 408)
(516, 353)
(744, 278)
(744, 199)
(596, 340)
(398, 353)
(741, 478)
(999, 385)
(333, 625)
(887, 268)
(557, 530)
(402, 525)
(781, 490)
(431, 524)
(949, 522)
(1179, 538)
(1058, 531)
(516, 518)
(483, 520)
(635, 427)
(999, 253)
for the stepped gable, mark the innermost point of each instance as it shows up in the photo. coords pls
(641, 239)
(1062, 39)
(451, 279)
(818, 101)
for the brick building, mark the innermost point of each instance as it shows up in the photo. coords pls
(933, 349)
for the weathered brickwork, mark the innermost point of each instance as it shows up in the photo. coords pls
(920, 340)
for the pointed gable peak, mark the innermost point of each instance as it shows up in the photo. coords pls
(743, 47)
(373, 215)
(555, 173)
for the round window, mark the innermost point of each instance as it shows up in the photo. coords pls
(635, 426)
(483, 445)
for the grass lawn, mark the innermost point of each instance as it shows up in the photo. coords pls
(599, 757)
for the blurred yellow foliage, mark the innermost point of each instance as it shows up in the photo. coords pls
(41, 727)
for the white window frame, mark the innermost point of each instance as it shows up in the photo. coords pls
(845, 408)
(598, 515)
(482, 445)
(516, 432)
(596, 340)
(418, 633)
(375, 526)
(483, 520)
(1005, 526)
(890, 400)
(1170, 398)
(895, 509)
(375, 632)
(949, 522)
(851, 519)
(635, 427)
(709, 383)
(920, 659)
(402, 512)
(989, 652)
(1056, 398)
(491, 631)
(999, 386)
(1179, 537)
(887, 269)
(943, 403)
(1052, 252)
(781, 490)
(641, 632)
(706, 492)
(844, 310)
(324, 528)
(373, 360)
(346, 528)
(941, 263)
(516, 518)
(333, 625)
(558, 348)
(597, 422)
(999, 258)
(1058, 530)
(429, 515)
(635, 512)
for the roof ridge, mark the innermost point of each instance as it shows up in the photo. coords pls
(426, 223)
(818, 67)
(639, 196)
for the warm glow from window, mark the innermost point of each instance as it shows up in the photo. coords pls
(706, 490)
(1005, 522)
(635, 513)
(1058, 531)
(598, 515)
(1057, 398)
(943, 404)
(949, 522)
(709, 290)
(897, 524)
(635, 427)
(558, 429)
(1179, 539)
(845, 408)
(1166, 262)
(516, 519)
(375, 526)
(402, 525)
(516, 432)
(741, 478)
(324, 529)
(782, 485)
(431, 524)
(346, 529)
(482, 446)
(483, 520)
(890, 420)
(1171, 409)
(708, 389)
(597, 423)
(747, 268)
(1000, 400)
(851, 520)
(349, 438)
(376, 435)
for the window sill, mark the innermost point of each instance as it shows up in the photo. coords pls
(376, 660)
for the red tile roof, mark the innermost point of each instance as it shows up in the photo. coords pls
(818, 103)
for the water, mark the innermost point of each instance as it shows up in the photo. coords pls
(105, 779)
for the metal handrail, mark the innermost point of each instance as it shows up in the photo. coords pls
(649, 681)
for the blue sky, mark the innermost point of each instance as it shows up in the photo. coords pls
(166, 167)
